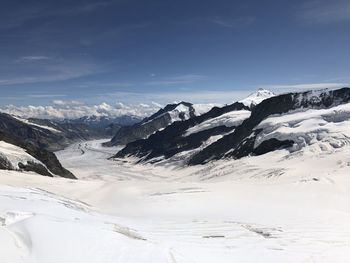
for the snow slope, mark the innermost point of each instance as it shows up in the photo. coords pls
(233, 118)
(15, 155)
(176, 112)
(204, 108)
(179, 110)
(324, 129)
(271, 208)
(183, 111)
(257, 97)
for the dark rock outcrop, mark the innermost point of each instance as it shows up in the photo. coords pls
(34, 167)
(150, 125)
(31, 134)
(239, 143)
(272, 145)
(171, 141)
(5, 164)
(36, 142)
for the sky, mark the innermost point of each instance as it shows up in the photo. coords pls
(158, 51)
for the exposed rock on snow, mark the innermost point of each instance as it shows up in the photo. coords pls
(291, 121)
(278, 207)
(187, 135)
(171, 113)
(241, 142)
(18, 155)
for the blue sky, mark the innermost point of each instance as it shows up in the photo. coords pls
(135, 51)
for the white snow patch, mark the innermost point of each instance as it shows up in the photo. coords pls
(326, 129)
(257, 97)
(15, 155)
(229, 119)
(35, 124)
(204, 108)
(180, 110)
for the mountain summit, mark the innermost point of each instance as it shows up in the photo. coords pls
(159, 120)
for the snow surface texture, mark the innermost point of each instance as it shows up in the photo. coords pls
(278, 207)
(257, 97)
(325, 130)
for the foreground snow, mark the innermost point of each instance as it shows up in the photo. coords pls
(293, 208)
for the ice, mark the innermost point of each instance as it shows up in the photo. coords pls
(278, 207)
(325, 129)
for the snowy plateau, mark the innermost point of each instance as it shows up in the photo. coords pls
(290, 204)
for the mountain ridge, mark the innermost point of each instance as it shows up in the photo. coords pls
(238, 140)
(159, 120)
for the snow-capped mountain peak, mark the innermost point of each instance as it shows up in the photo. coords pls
(257, 97)
(179, 111)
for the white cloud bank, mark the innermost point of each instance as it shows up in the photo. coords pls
(142, 105)
(75, 109)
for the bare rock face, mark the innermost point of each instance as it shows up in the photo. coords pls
(246, 138)
(241, 142)
(34, 167)
(36, 142)
(5, 164)
(171, 140)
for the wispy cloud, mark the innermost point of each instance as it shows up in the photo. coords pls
(324, 11)
(31, 12)
(80, 8)
(25, 59)
(94, 5)
(307, 86)
(183, 79)
(60, 76)
(43, 96)
(232, 22)
(112, 84)
(193, 96)
(46, 70)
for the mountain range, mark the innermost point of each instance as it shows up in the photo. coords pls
(29, 144)
(187, 134)
(287, 121)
